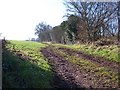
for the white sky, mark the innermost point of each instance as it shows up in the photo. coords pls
(18, 18)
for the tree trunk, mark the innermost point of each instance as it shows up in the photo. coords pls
(119, 21)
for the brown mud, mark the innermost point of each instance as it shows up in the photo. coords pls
(95, 59)
(68, 75)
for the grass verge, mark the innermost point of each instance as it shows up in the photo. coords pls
(97, 74)
(24, 73)
(110, 52)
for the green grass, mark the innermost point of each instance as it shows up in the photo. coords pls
(27, 45)
(24, 73)
(88, 67)
(109, 52)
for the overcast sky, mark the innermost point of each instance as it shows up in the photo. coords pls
(18, 18)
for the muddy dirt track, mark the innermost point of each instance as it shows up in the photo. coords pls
(68, 75)
(95, 59)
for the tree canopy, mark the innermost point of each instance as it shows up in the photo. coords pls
(86, 21)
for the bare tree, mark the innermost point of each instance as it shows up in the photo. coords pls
(57, 34)
(93, 16)
(119, 21)
(42, 31)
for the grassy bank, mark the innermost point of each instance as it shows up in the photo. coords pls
(91, 70)
(24, 66)
(110, 52)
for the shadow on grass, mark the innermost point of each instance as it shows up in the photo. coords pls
(22, 73)
(62, 77)
(17, 73)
